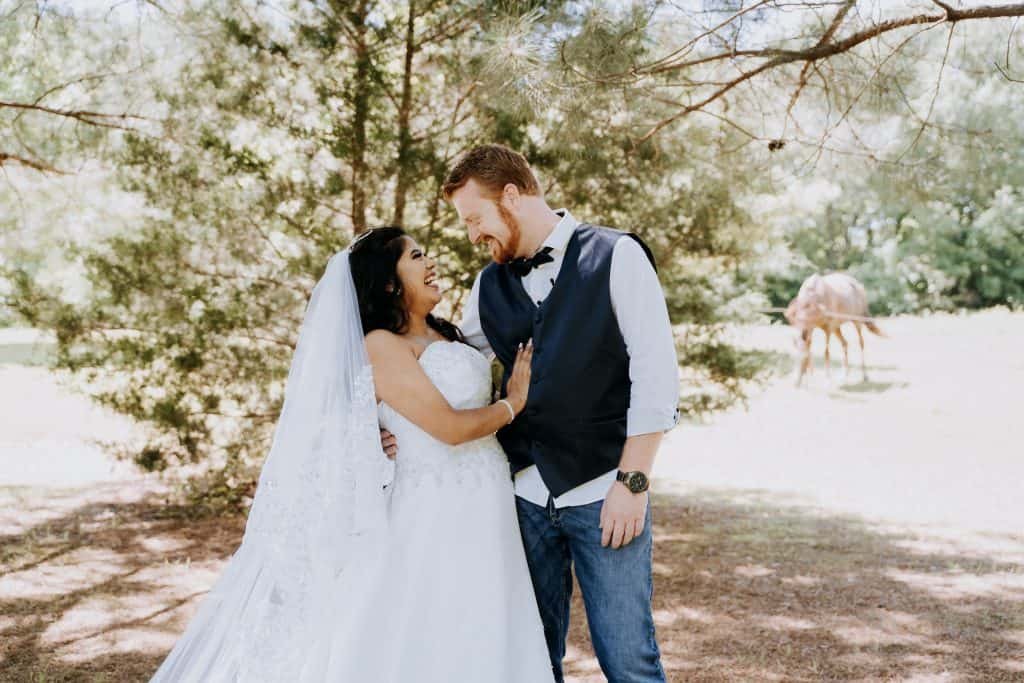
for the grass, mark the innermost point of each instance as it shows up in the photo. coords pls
(757, 591)
(95, 585)
(772, 559)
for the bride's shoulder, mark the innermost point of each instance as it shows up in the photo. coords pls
(386, 342)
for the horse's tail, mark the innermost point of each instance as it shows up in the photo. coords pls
(870, 324)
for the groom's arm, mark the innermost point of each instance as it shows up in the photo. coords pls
(470, 324)
(640, 309)
(624, 513)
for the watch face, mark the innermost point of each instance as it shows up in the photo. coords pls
(636, 482)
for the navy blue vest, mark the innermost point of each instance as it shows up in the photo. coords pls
(574, 424)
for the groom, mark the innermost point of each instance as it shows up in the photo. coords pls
(604, 389)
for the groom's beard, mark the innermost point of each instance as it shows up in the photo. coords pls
(508, 251)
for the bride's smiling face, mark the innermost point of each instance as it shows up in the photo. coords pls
(418, 274)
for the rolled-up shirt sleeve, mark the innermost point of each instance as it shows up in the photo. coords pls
(640, 309)
(471, 328)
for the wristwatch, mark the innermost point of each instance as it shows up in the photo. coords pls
(636, 482)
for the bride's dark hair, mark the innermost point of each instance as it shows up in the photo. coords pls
(373, 258)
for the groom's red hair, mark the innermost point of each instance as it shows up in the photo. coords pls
(494, 167)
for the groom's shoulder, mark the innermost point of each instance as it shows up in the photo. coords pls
(611, 236)
(489, 271)
(600, 231)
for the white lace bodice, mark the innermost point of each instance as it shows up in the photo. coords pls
(463, 376)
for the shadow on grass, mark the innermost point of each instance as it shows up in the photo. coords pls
(843, 385)
(786, 365)
(98, 593)
(837, 366)
(745, 589)
(870, 387)
(756, 591)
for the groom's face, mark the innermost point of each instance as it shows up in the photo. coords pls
(489, 220)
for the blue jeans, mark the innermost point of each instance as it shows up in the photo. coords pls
(616, 585)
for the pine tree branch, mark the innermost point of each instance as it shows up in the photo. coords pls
(93, 118)
(1005, 71)
(774, 58)
(687, 47)
(837, 21)
(40, 166)
(1006, 74)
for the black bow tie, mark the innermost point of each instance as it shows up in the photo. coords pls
(522, 265)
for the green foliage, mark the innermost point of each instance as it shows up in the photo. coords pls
(940, 227)
(289, 129)
(962, 249)
(288, 132)
(36, 44)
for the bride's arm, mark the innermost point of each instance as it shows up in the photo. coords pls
(402, 384)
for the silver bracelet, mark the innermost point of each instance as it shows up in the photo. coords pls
(511, 410)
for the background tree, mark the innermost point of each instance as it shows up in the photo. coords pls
(66, 69)
(941, 228)
(292, 127)
(70, 76)
(713, 55)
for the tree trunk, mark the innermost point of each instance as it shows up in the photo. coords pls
(361, 102)
(404, 134)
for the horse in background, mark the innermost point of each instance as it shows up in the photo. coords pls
(826, 302)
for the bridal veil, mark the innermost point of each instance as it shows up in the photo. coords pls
(319, 508)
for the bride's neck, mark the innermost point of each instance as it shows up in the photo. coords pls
(417, 326)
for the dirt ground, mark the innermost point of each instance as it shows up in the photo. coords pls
(854, 531)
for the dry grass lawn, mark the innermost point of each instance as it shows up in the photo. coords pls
(847, 531)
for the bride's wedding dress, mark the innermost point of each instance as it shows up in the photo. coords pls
(450, 598)
(444, 596)
(355, 569)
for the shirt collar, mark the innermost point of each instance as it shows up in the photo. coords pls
(559, 237)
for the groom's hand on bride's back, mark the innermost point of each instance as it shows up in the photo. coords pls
(389, 443)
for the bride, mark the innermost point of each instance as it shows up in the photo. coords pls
(357, 568)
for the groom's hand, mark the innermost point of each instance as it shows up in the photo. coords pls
(388, 443)
(622, 516)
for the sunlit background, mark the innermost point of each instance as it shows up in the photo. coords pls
(174, 177)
